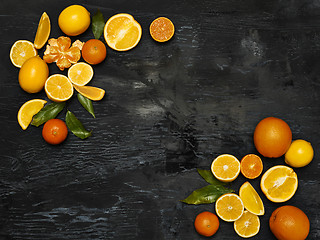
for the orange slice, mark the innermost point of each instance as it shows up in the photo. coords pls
(229, 207)
(93, 93)
(28, 110)
(21, 51)
(122, 32)
(161, 29)
(225, 167)
(80, 73)
(279, 183)
(248, 225)
(251, 166)
(43, 31)
(251, 199)
(58, 88)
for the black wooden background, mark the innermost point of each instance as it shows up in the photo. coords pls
(169, 109)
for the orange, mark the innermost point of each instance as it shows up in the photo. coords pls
(161, 29)
(279, 183)
(28, 110)
(206, 223)
(299, 154)
(248, 225)
(272, 137)
(21, 51)
(92, 93)
(54, 131)
(225, 167)
(251, 199)
(122, 32)
(289, 223)
(80, 73)
(229, 207)
(43, 31)
(251, 166)
(94, 51)
(58, 88)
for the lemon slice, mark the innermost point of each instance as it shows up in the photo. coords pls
(92, 93)
(21, 51)
(229, 207)
(58, 88)
(251, 199)
(43, 31)
(28, 110)
(225, 167)
(248, 225)
(80, 74)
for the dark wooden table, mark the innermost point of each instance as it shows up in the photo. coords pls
(169, 109)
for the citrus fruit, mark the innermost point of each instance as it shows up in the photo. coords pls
(251, 199)
(279, 183)
(33, 74)
(94, 51)
(74, 20)
(225, 167)
(21, 51)
(229, 207)
(43, 31)
(299, 154)
(122, 32)
(28, 110)
(251, 166)
(92, 93)
(58, 88)
(248, 225)
(54, 131)
(272, 137)
(206, 223)
(161, 29)
(289, 223)
(80, 73)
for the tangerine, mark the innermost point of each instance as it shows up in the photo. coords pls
(94, 51)
(272, 137)
(251, 166)
(206, 223)
(161, 29)
(54, 131)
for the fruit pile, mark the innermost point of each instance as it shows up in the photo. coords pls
(272, 139)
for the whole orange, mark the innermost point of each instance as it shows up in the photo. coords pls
(272, 137)
(54, 131)
(206, 223)
(94, 51)
(289, 223)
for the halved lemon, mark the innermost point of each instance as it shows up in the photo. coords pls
(225, 167)
(251, 199)
(58, 88)
(248, 225)
(229, 207)
(80, 74)
(279, 183)
(43, 31)
(122, 32)
(92, 93)
(28, 110)
(21, 51)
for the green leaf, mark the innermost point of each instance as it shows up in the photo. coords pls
(86, 103)
(209, 177)
(97, 24)
(48, 112)
(207, 194)
(76, 126)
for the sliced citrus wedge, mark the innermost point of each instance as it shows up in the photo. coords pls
(248, 225)
(92, 93)
(28, 110)
(80, 74)
(122, 32)
(21, 51)
(226, 167)
(43, 31)
(229, 207)
(251, 199)
(161, 29)
(58, 88)
(279, 183)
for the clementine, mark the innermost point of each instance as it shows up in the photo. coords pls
(272, 137)
(206, 223)
(54, 131)
(94, 51)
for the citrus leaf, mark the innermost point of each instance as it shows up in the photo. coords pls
(86, 103)
(97, 24)
(209, 177)
(49, 111)
(76, 126)
(207, 194)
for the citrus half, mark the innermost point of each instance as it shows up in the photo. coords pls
(248, 225)
(229, 207)
(225, 167)
(58, 88)
(161, 29)
(80, 73)
(21, 51)
(251, 166)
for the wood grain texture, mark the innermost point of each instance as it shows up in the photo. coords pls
(169, 109)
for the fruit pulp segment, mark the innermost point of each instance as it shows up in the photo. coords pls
(251, 200)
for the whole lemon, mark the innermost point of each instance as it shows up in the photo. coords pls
(74, 20)
(33, 74)
(299, 154)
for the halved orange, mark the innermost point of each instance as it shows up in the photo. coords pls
(161, 29)
(58, 88)
(251, 166)
(225, 167)
(251, 199)
(80, 73)
(43, 31)
(28, 110)
(229, 207)
(92, 93)
(248, 225)
(21, 51)
(279, 183)
(122, 32)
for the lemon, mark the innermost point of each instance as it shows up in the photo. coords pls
(28, 110)
(33, 74)
(74, 20)
(299, 154)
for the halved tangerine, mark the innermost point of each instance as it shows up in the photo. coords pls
(161, 29)
(251, 166)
